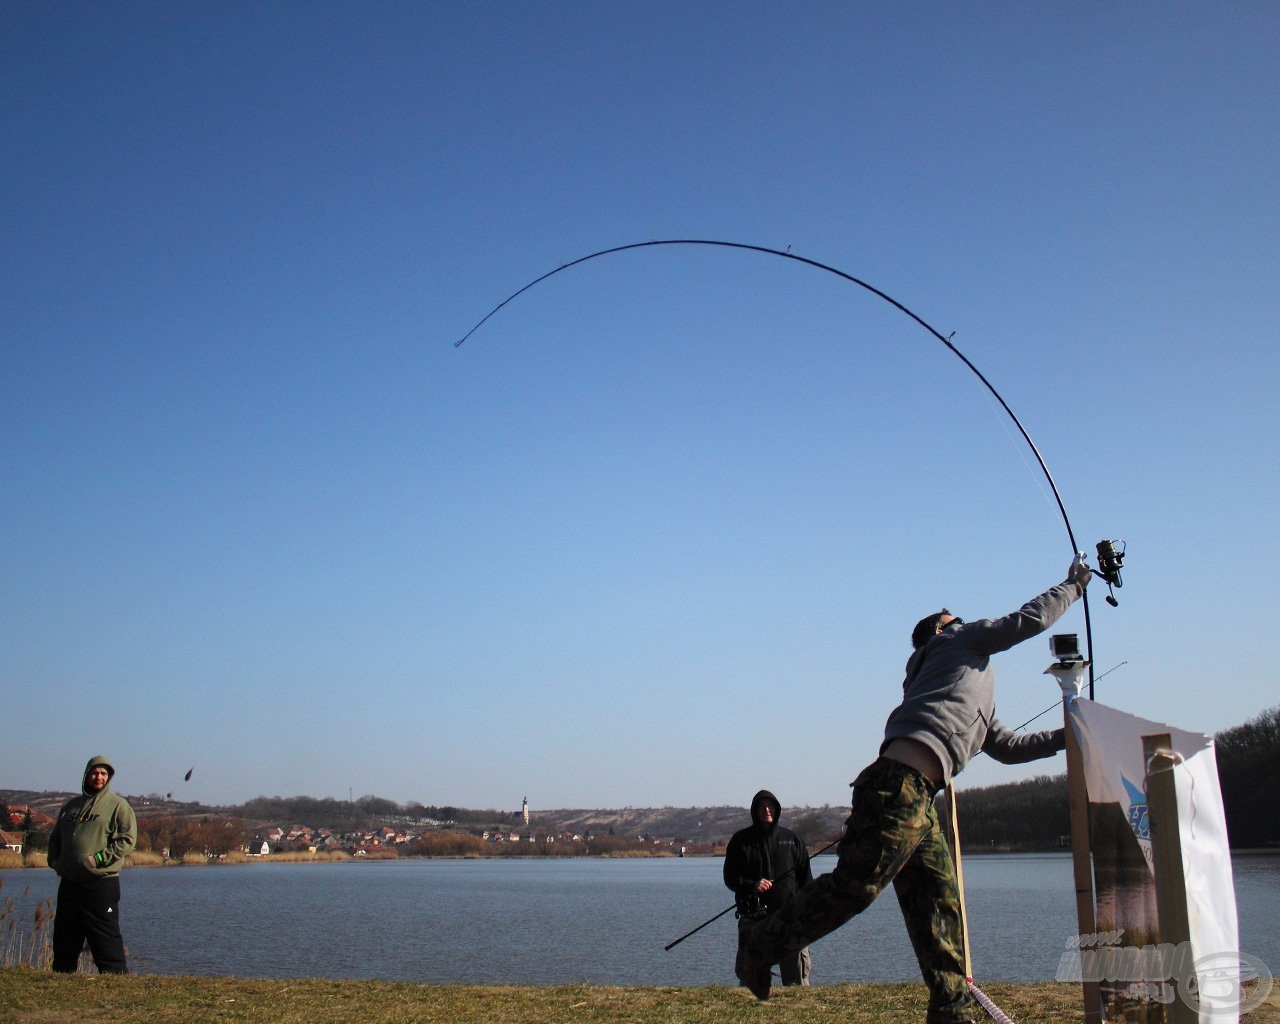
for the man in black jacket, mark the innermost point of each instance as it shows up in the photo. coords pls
(764, 865)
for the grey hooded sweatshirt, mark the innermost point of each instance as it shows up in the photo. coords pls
(949, 694)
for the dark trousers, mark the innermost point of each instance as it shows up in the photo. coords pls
(89, 912)
(892, 836)
(793, 968)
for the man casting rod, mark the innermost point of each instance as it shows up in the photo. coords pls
(946, 340)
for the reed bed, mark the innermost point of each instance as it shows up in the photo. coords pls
(26, 940)
(150, 859)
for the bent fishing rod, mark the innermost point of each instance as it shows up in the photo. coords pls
(1110, 558)
(675, 942)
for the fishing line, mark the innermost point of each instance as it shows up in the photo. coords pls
(1022, 454)
(1058, 704)
(944, 339)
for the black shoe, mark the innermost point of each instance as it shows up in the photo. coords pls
(757, 980)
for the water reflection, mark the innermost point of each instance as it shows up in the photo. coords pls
(565, 921)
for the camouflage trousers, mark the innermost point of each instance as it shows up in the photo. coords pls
(892, 835)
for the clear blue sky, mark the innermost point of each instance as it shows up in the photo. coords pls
(657, 534)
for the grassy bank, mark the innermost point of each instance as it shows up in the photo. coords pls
(35, 997)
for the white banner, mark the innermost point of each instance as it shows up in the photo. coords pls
(1126, 955)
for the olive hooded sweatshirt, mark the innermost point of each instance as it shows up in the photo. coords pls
(94, 832)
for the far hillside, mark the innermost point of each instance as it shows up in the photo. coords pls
(1017, 816)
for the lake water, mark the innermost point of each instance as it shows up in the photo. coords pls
(558, 921)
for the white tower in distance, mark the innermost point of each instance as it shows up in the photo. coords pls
(524, 811)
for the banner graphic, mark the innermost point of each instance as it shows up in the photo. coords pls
(1126, 956)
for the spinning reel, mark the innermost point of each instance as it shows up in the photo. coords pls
(1110, 562)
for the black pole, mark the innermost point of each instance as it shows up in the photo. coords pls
(675, 942)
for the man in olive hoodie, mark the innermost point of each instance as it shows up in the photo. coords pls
(90, 840)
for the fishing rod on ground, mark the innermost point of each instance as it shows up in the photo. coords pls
(675, 942)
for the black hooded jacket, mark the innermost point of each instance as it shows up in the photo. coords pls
(765, 851)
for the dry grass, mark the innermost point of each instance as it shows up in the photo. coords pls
(34, 997)
(148, 858)
(302, 856)
(37, 998)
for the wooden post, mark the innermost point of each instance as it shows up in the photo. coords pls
(953, 840)
(1082, 865)
(1166, 856)
(1070, 676)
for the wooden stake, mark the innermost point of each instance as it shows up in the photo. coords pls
(953, 840)
(1081, 862)
(1166, 856)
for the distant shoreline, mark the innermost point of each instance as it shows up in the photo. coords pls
(36, 861)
